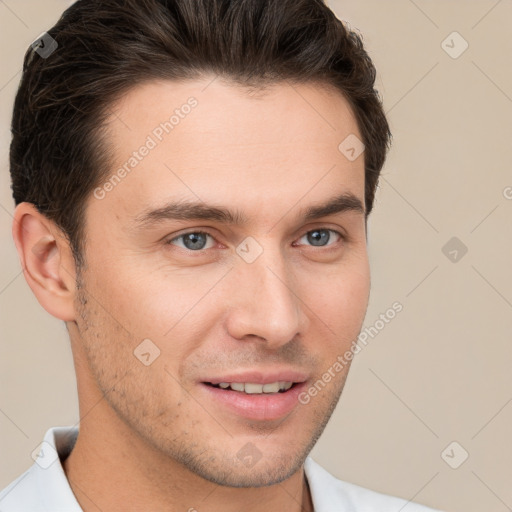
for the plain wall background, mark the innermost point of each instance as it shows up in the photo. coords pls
(440, 370)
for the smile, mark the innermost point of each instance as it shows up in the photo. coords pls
(253, 388)
(261, 402)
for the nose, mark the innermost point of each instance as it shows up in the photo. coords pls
(265, 302)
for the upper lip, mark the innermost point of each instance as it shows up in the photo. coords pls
(260, 377)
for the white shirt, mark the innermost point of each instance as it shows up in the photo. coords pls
(45, 488)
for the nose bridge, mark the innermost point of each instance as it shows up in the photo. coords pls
(268, 306)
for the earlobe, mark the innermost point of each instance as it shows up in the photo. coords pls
(46, 259)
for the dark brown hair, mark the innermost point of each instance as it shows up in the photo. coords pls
(59, 154)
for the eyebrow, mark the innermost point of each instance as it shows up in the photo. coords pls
(197, 210)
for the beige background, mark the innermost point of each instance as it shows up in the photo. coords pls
(440, 371)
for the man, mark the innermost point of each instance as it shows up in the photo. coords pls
(193, 180)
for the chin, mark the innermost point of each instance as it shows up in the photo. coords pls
(233, 472)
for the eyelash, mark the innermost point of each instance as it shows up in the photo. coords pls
(200, 232)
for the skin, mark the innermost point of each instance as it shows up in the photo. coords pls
(150, 439)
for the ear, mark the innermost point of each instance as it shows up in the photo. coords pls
(47, 261)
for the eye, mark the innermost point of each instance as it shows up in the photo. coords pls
(193, 240)
(197, 241)
(321, 237)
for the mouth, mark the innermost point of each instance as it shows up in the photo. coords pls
(261, 402)
(251, 388)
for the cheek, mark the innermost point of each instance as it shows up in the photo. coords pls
(175, 310)
(339, 297)
(117, 358)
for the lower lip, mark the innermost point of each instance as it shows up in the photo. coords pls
(260, 406)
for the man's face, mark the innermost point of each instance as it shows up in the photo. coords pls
(275, 298)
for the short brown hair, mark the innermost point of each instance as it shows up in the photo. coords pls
(58, 154)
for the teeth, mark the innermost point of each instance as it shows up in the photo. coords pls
(271, 388)
(252, 388)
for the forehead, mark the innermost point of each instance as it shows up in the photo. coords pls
(209, 139)
(312, 111)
